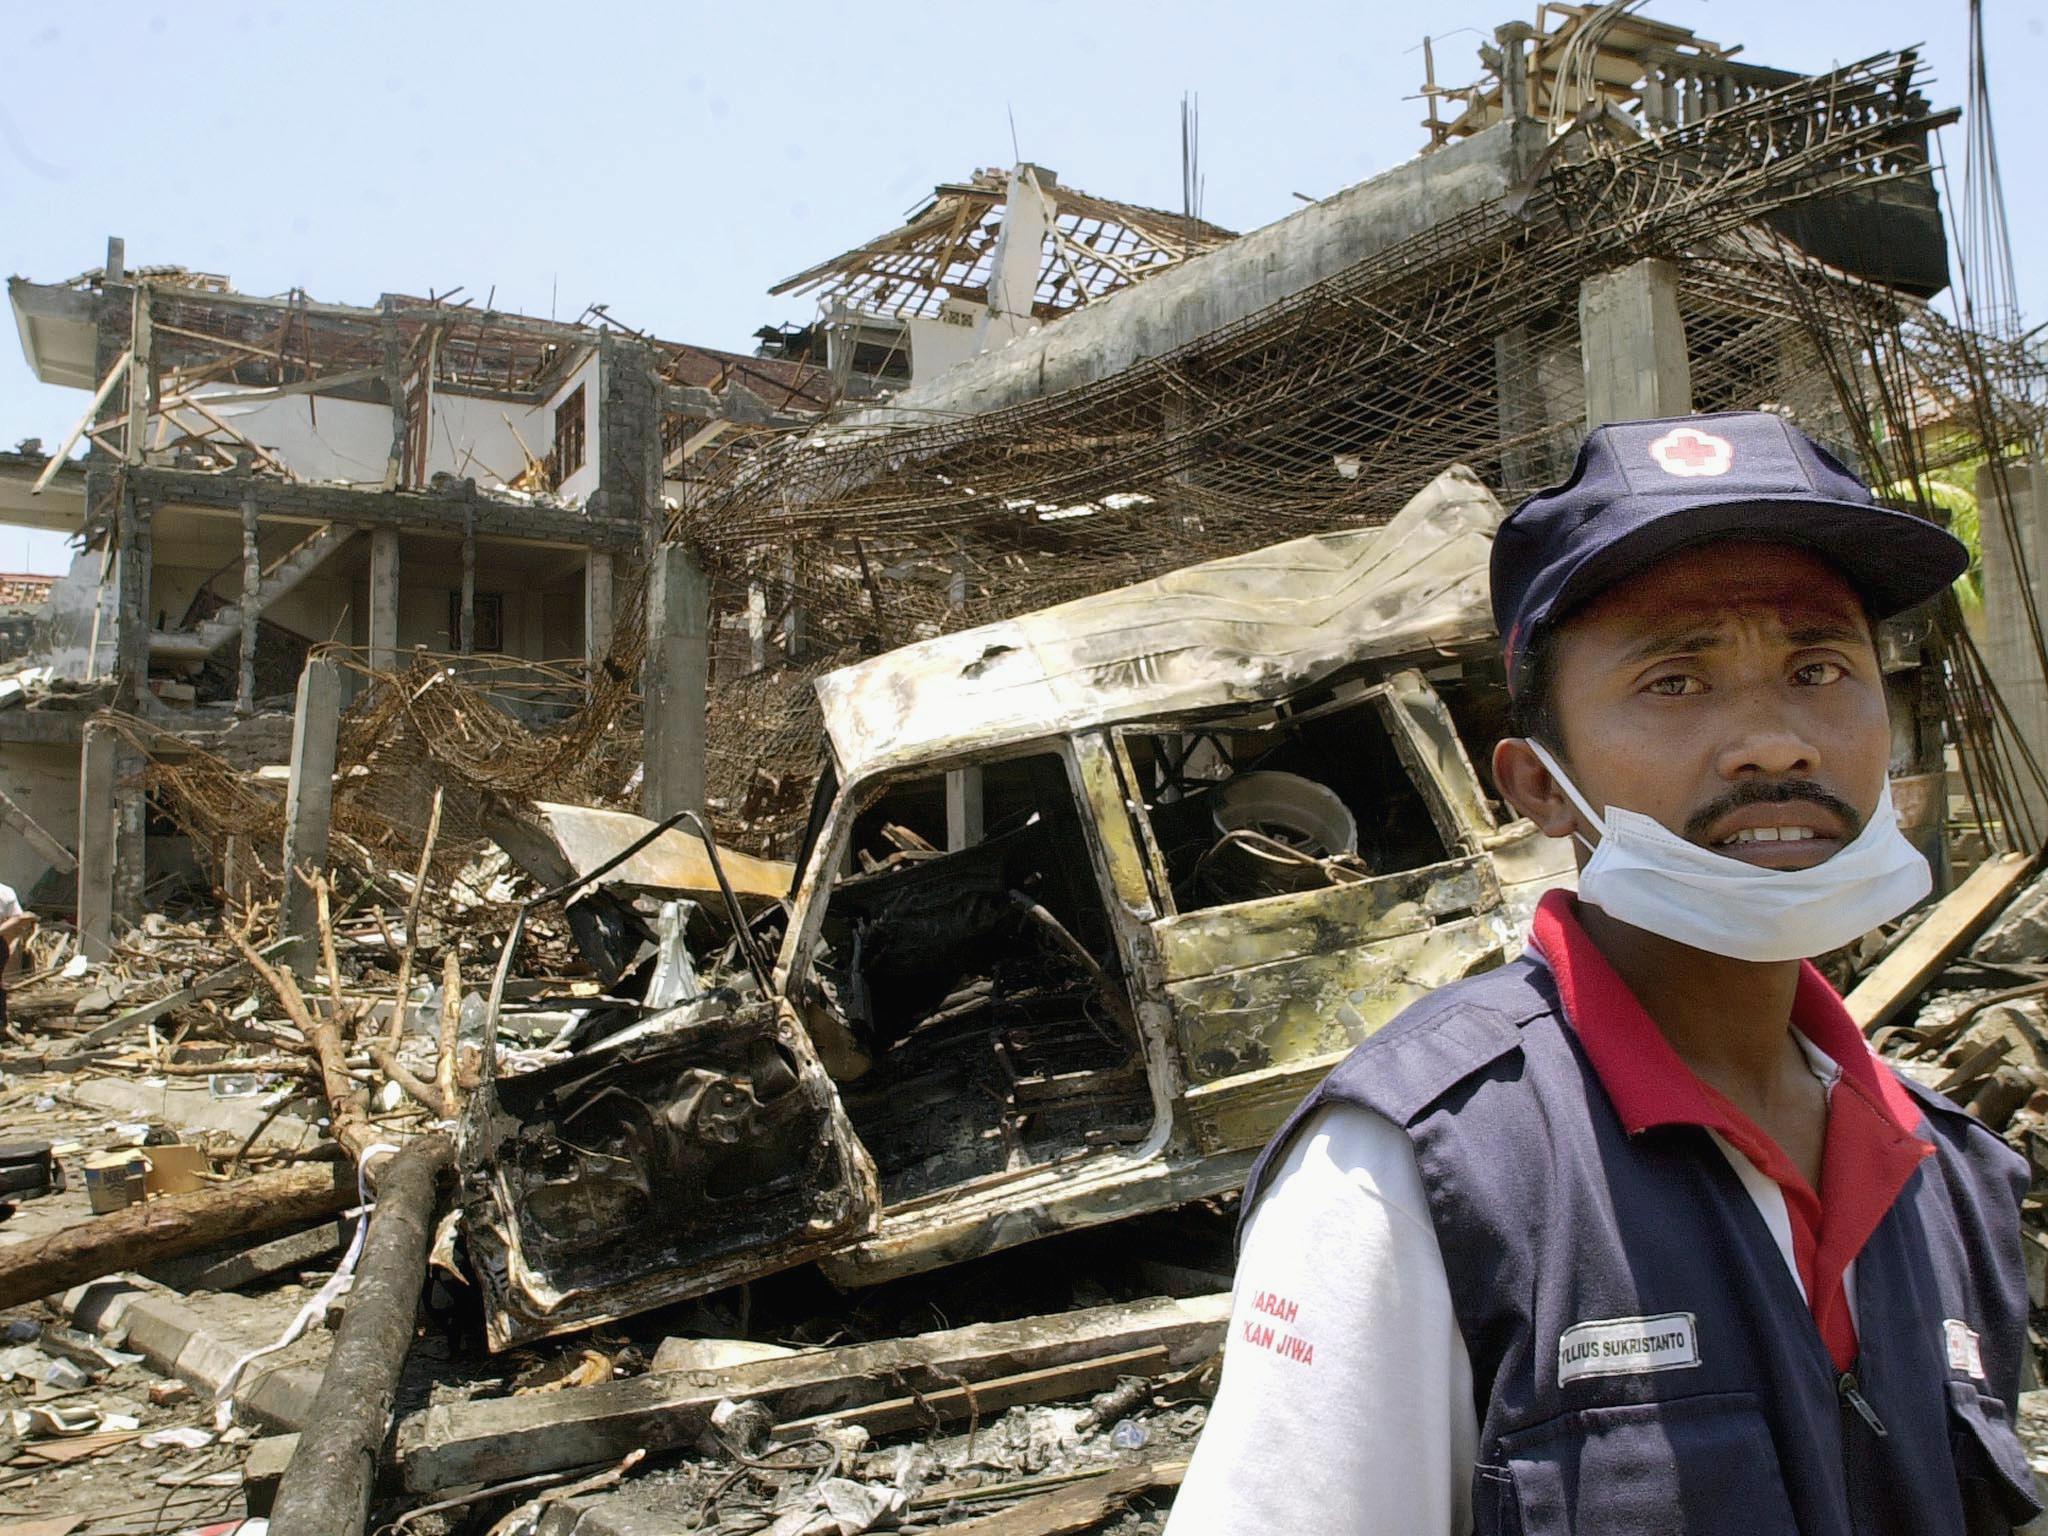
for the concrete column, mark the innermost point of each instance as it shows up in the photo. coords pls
(309, 805)
(123, 805)
(131, 815)
(384, 598)
(132, 612)
(465, 623)
(597, 609)
(1540, 394)
(1513, 38)
(673, 683)
(98, 838)
(143, 394)
(2005, 638)
(1030, 202)
(394, 390)
(252, 581)
(1632, 341)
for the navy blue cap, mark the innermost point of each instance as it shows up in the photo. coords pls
(1642, 490)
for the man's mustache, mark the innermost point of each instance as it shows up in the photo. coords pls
(1783, 791)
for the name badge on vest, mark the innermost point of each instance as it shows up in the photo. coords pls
(1963, 1354)
(1628, 1346)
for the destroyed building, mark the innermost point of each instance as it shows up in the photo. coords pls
(999, 625)
(983, 262)
(267, 474)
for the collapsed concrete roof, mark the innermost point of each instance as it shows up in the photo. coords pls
(1237, 630)
(1228, 283)
(482, 348)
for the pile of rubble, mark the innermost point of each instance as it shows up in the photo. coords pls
(887, 1188)
(166, 1390)
(1978, 1033)
(160, 1365)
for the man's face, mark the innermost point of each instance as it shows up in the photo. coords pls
(1732, 693)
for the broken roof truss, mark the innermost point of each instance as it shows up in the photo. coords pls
(1093, 247)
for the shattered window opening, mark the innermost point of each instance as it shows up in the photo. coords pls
(982, 985)
(1476, 695)
(1333, 802)
(571, 430)
(487, 615)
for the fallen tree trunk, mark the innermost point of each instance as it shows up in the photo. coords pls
(326, 1487)
(168, 1228)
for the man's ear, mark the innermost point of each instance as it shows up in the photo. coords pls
(1531, 789)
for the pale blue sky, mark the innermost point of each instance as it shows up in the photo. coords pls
(674, 160)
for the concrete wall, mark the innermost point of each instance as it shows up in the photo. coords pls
(43, 781)
(538, 625)
(468, 435)
(318, 607)
(73, 600)
(320, 439)
(2005, 637)
(472, 437)
(561, 625)
(1234, 281)
(936, 345)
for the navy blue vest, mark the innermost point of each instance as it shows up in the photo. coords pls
(1551, 1216)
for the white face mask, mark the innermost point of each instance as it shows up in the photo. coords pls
(1651, 878)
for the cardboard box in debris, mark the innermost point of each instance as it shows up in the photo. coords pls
(1088, 900)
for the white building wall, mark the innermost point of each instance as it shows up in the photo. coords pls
(317, 438)
(320, 438)
(476, 436)
(936, 345)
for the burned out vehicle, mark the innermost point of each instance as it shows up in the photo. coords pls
(1089, 900)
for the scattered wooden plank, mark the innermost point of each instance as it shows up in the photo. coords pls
(498, 1438)
(247, 1265)
(114, 376)
(59, 1525)
(948, 1404)
(1080, 1506)
(72, 1448)
(163, 1007)
(1956, 919)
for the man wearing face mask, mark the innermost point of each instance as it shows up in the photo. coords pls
(1636, 1234)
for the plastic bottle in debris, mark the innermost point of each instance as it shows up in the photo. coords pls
(1129, 1435)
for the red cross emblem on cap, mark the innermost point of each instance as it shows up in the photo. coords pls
(1687, 451)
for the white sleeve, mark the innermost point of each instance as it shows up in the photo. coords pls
(1346, 1399)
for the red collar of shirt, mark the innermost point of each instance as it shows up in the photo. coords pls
(1644, 1077)
(1870, 1150)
